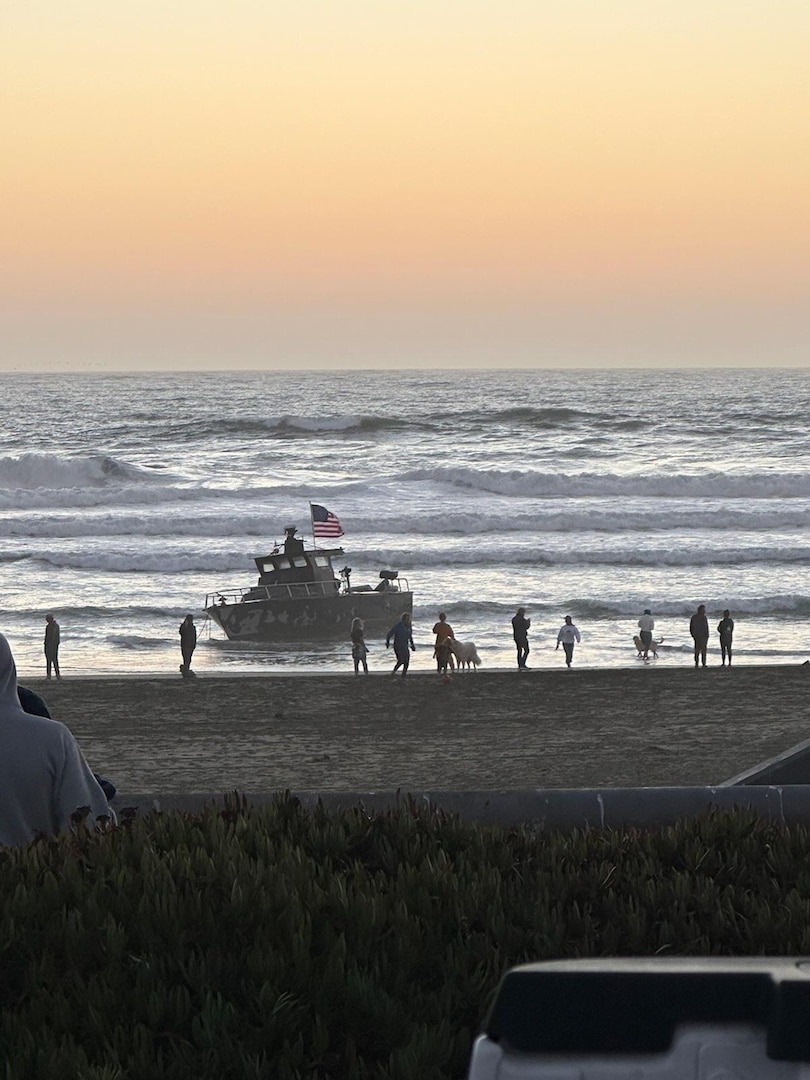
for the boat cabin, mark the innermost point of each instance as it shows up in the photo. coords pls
(291, 564)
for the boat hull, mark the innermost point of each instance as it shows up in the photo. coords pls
(311, 618)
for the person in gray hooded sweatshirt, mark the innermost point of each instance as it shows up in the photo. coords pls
(44, 778)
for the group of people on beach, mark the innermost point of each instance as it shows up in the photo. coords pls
(698, 631)
(401, 636)
(567, 636)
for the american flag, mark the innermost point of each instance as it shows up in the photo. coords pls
(324, 523)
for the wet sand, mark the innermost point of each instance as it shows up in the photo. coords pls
(634, 727)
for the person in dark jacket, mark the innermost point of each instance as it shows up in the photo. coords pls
(520, 632)
(725, 628)
(188, 643)
(402, 636)
(52, 646)
(699, 629)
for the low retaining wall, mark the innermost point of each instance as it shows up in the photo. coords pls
(553, 808)
(790, 767)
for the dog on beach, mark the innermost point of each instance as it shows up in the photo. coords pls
(640, 648)
(465, 653)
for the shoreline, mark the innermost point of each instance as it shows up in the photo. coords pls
(491, 730)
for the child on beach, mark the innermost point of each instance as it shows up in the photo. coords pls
(359, 648)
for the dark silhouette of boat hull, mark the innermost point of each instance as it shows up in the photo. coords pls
(309, 618)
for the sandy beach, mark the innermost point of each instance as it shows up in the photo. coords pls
(488, 731)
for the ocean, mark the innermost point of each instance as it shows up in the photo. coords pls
(125, 499)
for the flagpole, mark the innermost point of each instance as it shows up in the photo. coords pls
(312, 526)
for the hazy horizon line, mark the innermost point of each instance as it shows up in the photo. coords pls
(369, 370)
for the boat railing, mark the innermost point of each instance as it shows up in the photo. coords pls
(295, 590)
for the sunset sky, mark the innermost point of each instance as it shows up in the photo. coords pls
(370, 183)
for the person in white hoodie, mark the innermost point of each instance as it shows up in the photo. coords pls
(44, 779)
(646, 625)
(567, 636)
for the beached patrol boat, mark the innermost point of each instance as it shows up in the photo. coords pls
(298, 597)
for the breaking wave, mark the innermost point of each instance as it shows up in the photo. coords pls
(33, 471)
(659, 485)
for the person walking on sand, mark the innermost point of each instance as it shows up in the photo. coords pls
(520, 632)
(646, 625)
(52, 646)
(567, 636)
(402, 636)
(725, 628)
(442, 651)
(188, 643)
(699, 629)
(359, 647)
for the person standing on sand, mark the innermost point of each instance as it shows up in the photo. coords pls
(359, 647)
(646, 625)
(52, 646)
(520, 632)
(699, 629)
(442, 652)
(725, 628)
(402, 635)
(188, 643)
(567, 636)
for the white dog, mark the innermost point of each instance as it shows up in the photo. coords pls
(640, 647)
(465, 653)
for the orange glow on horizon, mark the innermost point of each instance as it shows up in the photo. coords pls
(272, 158)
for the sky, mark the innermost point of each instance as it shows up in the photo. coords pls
(382, 183)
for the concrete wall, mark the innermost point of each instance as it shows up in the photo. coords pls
(553, 808)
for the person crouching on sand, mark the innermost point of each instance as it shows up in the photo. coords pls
(402, 636)
(567, 636)
(359, 647)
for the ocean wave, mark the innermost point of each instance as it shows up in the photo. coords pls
(33, 471)
(136, 642)
(777, 605)
(290, 426)
(78, 613)
(150, 562)
(582, 558)
(660, 484)
(547, 613)
(141, 512)
(171, 552)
